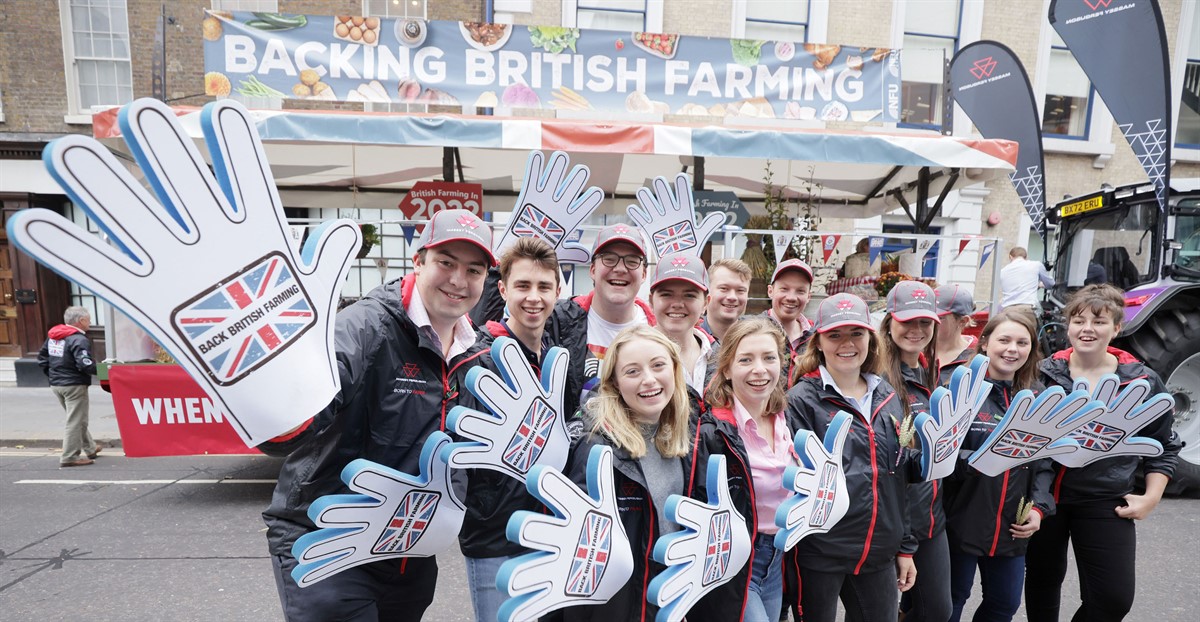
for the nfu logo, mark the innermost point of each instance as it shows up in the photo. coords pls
(1097, 4)
(983, 68)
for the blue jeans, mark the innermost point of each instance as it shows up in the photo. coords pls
(1001, 578)
(481, 580)
(764, 599)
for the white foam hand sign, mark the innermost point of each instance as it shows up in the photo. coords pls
(821, 498)
(527, 426)
(951, 411)
(551, 205)
(711, 549)
(668, 217)
(1034, 428)
(207, 269)
(584, 554)
(1111, 434)
(395, 515)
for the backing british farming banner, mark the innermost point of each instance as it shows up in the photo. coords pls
(990, 85)
(372, 59)
(1122, 47)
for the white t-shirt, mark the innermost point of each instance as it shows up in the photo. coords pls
(1019, 282)
(695, 376)
(600, 334)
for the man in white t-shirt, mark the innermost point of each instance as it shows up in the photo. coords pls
(1020, 279)
(618, 270)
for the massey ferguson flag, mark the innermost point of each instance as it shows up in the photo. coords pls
(1122, 47)
(991, 86)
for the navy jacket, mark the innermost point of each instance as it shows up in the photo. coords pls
(66, 357)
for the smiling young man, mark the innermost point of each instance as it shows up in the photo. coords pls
(677, 297)
(790, 291)
(402, 353)
(728, 293)
(618, 270)
(530, 282)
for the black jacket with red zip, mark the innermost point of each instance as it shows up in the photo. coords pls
(875, 529)
(979, 508)
(492, 497)
(395, 391)
(926, 517)
(1112, 478)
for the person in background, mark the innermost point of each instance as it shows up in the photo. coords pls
(66, 358)
(677, 297)
(954, 306)
(790, 291)
(909, 334)
(592, 320)
(859, 263)
(1097, 504)
(1020, 280)
(984, 518)
(746, 423)
(641, 411)
(867, 556)
(403, 352)
(728, 293)
(530, 282)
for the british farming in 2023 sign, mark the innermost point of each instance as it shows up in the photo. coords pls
(371, 59)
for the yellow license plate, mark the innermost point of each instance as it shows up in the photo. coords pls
(1080, 207)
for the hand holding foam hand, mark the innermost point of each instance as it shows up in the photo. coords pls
(951, 412)
(711, 549)
(527, 427)
(207, 269)
(821, 498)
(1112, 433)
(584, 554)
(1034, 428)
(395, 515)
(669, 219)
(551, 206)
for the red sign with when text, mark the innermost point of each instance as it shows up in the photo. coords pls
(161, 411)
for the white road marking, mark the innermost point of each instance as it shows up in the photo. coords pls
(137, 482)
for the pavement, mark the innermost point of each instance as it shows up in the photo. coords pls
(32, 417)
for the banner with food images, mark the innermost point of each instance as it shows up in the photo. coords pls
(489, 66)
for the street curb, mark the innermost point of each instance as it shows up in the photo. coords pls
(51, 443)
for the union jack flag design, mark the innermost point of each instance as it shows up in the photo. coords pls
(827, 491)
(591, 555)
(251, 316)
(409, 523)
(1018, 444)
(527, 444)
(678, 237)
(533, 222)
(945, 445)
(1096, 436)
(716, 557)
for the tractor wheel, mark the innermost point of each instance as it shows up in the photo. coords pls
(1170, 344)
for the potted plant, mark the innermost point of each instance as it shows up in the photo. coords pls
(370, 237)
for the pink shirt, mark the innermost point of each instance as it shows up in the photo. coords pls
(766, 466)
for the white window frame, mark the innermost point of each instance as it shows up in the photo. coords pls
(264, 6)
(970, 30)
(423, 13)
(1188, 13)
(75, 115)
(816, 29)
(1, 105)
(503, 11)
(1098, 134)
(654, 14)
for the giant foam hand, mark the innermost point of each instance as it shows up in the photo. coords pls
(395, 515)
(669, 218)
(527, 426)
(1034, 428)
(951, 411)
(207, 269)
(1111, 434)
(583, 554)
(551, 205)
(711, 549)
(821, 498)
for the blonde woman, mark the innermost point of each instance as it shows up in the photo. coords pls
(641, 410)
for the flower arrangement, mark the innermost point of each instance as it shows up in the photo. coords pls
(888, 280)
